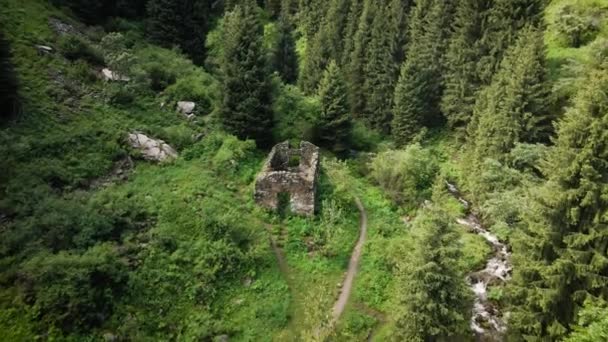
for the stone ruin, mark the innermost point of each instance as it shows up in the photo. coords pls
(291, 172)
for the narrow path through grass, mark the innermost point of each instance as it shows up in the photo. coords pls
(353, 266)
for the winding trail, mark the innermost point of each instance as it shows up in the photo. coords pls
(353, 266)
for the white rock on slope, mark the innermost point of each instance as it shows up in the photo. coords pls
(110, 75)
(186, 107)
(152, 149)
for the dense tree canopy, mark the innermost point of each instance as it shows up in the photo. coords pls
(246, 103)
(471, 136)
(562, 253)
(334, 122)
(434, 294)
(9, 98)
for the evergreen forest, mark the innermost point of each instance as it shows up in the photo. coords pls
(461, 194)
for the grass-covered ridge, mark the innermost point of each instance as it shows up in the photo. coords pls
(453, 123)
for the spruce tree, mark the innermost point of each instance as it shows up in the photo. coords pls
(398, 14)
(9, 98)
(180, 22)
(505, 19)
(352, 23)
(246, 86)
(514, 107)
(334, 123)
(433, 298)
(419, 89)
(560, 257)
(311, 14)
(380, 72)
(358, 60)
(273, 7)
(461, 76)
(324, 46)
(285, 56)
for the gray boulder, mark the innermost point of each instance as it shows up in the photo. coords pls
(110, 75)
(152, 149)
(186, 108)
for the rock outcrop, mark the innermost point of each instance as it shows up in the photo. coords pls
(186, 108)
(152, 149)
(63, 29)
(110, 75)
(293, 172)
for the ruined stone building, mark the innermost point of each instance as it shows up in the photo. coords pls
(292, 173)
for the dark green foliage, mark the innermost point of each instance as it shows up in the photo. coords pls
(97, 12)
(514, 107)
(285, 56)
(461, 77)
(352, 24)
(419, 88)
(311, 14)
(433, 298)
(9, 87)
(334, 124)
(74, 291)
(375, 54)
(324, 46)
(273, 7)
(159, 77)
(560, 256)
(381, 73)
(75, 47)
(91, 11)
(398, 12)
(180, 22)
(356, 67)
(505, 19)
(246, 110)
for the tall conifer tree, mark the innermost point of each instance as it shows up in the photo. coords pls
(505, 19)
(560, 258)
(358, 59)
(246, 104)
(434, 297)
(461, 76)
(380, 71)
(334, 122)
(324, 46)
(514, 107)
(9, 99)
(419, 88)
(285, 56)
(352, 24)
(180, 22)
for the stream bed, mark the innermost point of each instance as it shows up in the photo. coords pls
(487, 321)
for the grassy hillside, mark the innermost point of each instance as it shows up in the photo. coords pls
(98, 243)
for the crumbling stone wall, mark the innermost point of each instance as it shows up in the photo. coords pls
(279, 175)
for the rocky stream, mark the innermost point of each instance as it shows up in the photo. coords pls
(487, 321)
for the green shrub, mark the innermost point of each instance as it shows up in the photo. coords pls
(578, 25)
(295, 114)
(180, 136)
(231, 152)
(364, 138)
(73, 291)
(198, 87)
(159, 77)
(81, 71)
(406, 175)
(74, 48)
(119, 95)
